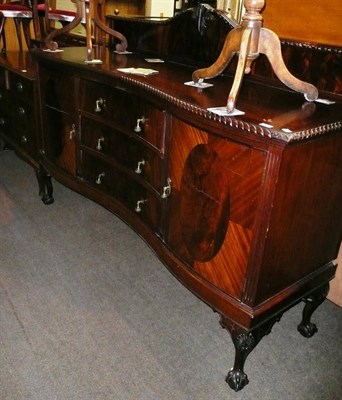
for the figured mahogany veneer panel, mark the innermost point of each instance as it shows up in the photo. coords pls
(302, 239)
(125, 150)
(124, 111)
(111, 181)
(216, 188)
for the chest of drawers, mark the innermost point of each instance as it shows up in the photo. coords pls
(18, 119)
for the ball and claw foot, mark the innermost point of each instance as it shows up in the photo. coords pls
(46, 199)
(307, 330)
(237, 380)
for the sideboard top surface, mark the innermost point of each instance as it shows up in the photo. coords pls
(291, 117)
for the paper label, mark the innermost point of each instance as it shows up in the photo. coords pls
(199, 84)
(224, 112)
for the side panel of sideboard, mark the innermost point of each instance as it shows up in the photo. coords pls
(302, 241)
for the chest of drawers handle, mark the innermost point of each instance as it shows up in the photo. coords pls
(72, 132)
(20, 87)
(139, 204)
(138, 169)
(21, 111)
(140, 121)
(99, 143)
(167, 189)
(99, 178)
(99, 105)
(23, 140)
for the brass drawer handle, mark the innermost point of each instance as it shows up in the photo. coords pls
(167, 189)
(21, 111)
(20, 87)
(100, 178)
(140, 121)
(99, 143)
(23, 139)
(138, 169)
(139, 204)
(72, 132)
(99, 105)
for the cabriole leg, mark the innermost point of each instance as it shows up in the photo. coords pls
(315, 299)
(45, 185)
(244, 342)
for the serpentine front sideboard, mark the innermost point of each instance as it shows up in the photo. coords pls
(244, 210)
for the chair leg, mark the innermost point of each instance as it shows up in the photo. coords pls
(17, 22)
(27, 32)
(2, 32)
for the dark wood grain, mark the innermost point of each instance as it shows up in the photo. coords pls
(248, 217)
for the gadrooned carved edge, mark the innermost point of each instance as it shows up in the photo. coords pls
(312, 46)
(236, 123)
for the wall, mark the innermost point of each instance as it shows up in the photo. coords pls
(312, 21)
(125, 7)
(335, 293)
(305, 20)
(159, 8)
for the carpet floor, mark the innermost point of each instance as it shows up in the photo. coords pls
(88, 312)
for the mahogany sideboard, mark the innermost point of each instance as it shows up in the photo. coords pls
(246, 215)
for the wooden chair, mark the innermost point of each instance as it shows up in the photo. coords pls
(45, 14)
(21, 12)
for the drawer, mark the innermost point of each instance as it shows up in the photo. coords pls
(112, 182)
(4, 103)
(23, 115)
(21, 87)
(5, 119)
(5, 124)
(125, 150)
(125, 111)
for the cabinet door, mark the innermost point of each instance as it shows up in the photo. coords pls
(216, 188)
(59, 139)
(58, 116)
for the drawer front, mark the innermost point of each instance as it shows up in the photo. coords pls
(111, 181)
(23, 115)
(24, 125)
(21, 87)
(125, 150)
(124, 111)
